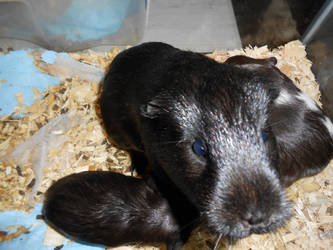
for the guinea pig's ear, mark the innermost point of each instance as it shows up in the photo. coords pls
(151, 110)
(241, 60)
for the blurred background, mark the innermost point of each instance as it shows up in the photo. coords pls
(199, 25)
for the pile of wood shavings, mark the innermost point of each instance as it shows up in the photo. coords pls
(86, 148)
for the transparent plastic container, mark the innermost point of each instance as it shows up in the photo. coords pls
(71, 25)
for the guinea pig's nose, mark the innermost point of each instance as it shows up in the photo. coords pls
(253, 218)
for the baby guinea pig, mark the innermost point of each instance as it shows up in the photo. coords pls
(110, 209)
(201, 125)
(303, 133)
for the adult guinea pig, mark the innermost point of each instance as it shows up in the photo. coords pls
(110, 209)
(202, 126)
(303, 133)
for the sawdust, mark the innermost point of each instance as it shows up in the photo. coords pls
(85, 147)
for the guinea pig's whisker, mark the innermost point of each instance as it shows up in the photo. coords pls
(230, 243)
(218, 242)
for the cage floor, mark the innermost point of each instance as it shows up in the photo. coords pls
(54, 93)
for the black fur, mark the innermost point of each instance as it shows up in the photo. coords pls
(158, 100)
(110, 209)
(304, 143)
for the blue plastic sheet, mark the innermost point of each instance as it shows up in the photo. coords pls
(33, 240)
(80, 20)
(19, 74)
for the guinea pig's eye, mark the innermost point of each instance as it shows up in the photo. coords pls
(199, 147)
(264, 136)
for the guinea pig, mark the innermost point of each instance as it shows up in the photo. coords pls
(203, 128)
(302, 131)
(110, 209)
(243, 60)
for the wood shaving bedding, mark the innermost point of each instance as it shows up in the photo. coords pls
(19, 230)
(87, 148)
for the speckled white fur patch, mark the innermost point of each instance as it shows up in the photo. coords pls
(327, 122)
(308, 101)
(284, 97)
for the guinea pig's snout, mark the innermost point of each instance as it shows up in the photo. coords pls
(249, 205)
(253, 218)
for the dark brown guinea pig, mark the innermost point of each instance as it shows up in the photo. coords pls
(302, 131)
(202, 126)
(110, 209)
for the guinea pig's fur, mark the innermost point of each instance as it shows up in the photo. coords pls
(303, 133)
(222, 141)
(203, 125)
(110, 209)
